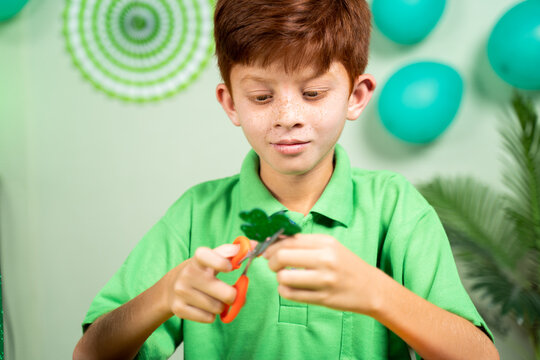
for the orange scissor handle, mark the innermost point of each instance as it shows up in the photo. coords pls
(230, 312)
(245, 247)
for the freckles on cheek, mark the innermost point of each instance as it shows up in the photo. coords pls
(324, 119)
(332, 115)
(323, 114)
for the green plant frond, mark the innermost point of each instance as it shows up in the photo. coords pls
(481, 262)
(525, 113)
(525, 229)
(492, 316)
(515, 159)
(521, 181)
(467, 248)
(521, 139)
(526, 307)
(497, 236)
(519, 189)
(511, 297)
(478, 212)
(529, 267)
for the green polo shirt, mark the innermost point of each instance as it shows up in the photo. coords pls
(376, 214)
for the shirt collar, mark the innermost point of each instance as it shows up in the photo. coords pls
(253, 193)
(336, 201)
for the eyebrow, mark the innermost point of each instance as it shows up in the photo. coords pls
(269, 80)
(254, 78)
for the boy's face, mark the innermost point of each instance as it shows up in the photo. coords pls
(293, 121)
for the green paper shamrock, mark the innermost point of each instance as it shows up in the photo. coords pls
(259, 226)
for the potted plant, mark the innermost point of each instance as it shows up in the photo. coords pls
(495, 235)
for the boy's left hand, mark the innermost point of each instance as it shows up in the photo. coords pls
(325, 273)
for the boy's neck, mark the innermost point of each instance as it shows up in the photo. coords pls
(299, 193)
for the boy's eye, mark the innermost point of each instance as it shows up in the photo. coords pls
(313, 94)
(262, 98)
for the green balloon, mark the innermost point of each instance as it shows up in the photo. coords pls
(514, 46)
(407, 22)
(9, 8)
(420, 101)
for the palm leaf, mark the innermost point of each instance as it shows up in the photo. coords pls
(521, 138)
(522, 177)
(476, 212)
(498, 235)
(481, 235)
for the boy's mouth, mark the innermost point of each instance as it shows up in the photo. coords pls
(290, 147)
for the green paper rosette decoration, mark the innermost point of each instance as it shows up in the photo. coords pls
(139, 50)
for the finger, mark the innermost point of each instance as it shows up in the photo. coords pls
(299, 241)
(208, 258)
(217, 289)
(202, 301)
(192, 313)
(227, 250)
(299, 258)
(302, 296)
(304, 279)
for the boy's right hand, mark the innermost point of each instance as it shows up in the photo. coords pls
(192, 290)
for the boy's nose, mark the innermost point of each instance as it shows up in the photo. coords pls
(289, 116)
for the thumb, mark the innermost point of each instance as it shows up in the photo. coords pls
(227, 250)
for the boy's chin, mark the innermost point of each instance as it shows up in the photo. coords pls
(297, 165)
(300, 169)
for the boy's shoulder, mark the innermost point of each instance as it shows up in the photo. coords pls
(379, 178)
(215, 188)
(206, 194)
(390, 191)
(219, 185)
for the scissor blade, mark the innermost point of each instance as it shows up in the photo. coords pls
(270, 241)
(253, 253)
(262, 246)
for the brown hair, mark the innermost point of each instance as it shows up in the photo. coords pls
(296, 32)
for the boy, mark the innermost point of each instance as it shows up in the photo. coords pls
(373, 270)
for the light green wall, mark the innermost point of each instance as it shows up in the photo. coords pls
(84, 176)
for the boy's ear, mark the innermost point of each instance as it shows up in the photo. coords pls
(224, 97)
(362, 91)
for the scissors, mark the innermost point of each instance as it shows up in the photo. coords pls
(229, 312)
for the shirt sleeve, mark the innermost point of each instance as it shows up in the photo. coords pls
(161, 249)
(417, 254)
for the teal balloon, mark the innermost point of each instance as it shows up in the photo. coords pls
(420, 100)
(8, 8)
(407, 21)
(514, 46)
